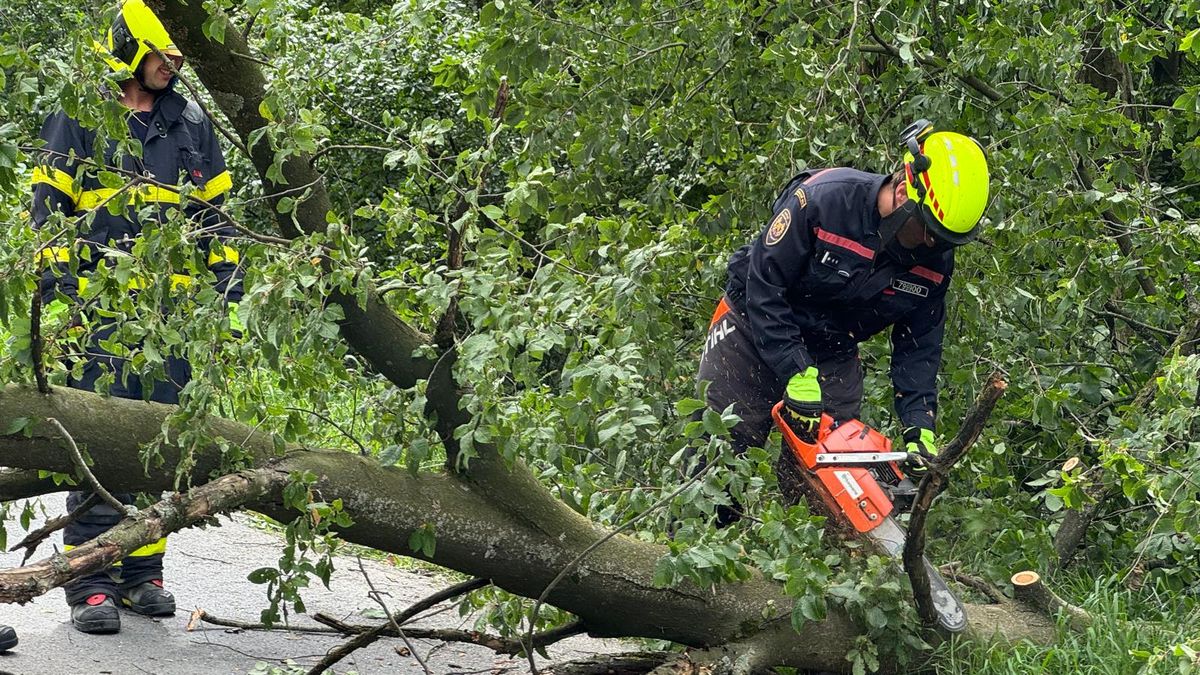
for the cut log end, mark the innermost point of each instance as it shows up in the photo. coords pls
(1029, 590)
(1026, 578)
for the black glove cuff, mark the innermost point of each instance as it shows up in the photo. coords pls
(912, 434)
(803, 408)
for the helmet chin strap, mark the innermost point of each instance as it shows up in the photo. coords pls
(889, 230)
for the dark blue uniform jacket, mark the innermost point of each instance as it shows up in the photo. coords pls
(180, 148)
(815, 284)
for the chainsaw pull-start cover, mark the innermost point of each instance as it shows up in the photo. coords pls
(856, 494)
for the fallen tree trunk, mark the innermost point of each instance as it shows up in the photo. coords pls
(612, 592)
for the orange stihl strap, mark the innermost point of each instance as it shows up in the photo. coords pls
(722, 310)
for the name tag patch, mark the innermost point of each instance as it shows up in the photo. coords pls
(910, 288)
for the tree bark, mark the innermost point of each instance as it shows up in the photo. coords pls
(612, 591)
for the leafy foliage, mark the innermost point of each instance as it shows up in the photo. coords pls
(600, 161)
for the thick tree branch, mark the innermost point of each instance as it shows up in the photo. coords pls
(36, 342)
(933, 483)
(172, 514)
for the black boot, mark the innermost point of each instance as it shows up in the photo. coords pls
(98, 614)
(8, 638)
(149, 598)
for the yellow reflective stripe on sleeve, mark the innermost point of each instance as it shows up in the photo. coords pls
(58, 179)
(55, 254)
(157, 548)
(225, 254)
(216, 186)
(90, 199)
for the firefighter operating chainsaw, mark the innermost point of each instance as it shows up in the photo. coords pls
(846, 255)
(849, 472)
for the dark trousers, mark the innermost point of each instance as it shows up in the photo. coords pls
(738, 376)
(145, 563)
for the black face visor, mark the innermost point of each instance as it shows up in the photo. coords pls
(889, 229)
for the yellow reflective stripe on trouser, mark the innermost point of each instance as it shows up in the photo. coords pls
(216, 186)
(222, 253)
(178, 281)
(55, 254)
(58, 179)
(157, 548)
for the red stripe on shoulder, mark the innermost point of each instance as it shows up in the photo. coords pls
(848, 244)
(926, 273)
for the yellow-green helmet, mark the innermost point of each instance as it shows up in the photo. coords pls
(132, 33)
(947, 176)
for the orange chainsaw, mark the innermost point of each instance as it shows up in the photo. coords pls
(855, 477)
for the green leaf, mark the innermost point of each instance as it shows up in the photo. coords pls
(262, 575)
(687, 406)
(18, 425)
(1188, 43)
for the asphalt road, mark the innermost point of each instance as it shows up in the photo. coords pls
(207, 569)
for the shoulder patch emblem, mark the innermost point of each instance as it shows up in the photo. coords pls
(779, 227)
(910, 288)
(801, 197)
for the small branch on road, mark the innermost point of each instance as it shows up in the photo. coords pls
(933, 483)
(203, 616)
(334, 626)
(375, 595)
(367, 637)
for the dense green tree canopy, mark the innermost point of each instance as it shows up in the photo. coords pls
(551, 190)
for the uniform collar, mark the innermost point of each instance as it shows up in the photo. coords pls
(169, 105)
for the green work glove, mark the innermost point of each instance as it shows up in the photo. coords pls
(235, 324)
(920, 446)
(802, 403)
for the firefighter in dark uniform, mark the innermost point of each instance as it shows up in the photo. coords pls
(178, 147)
(846, 254)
